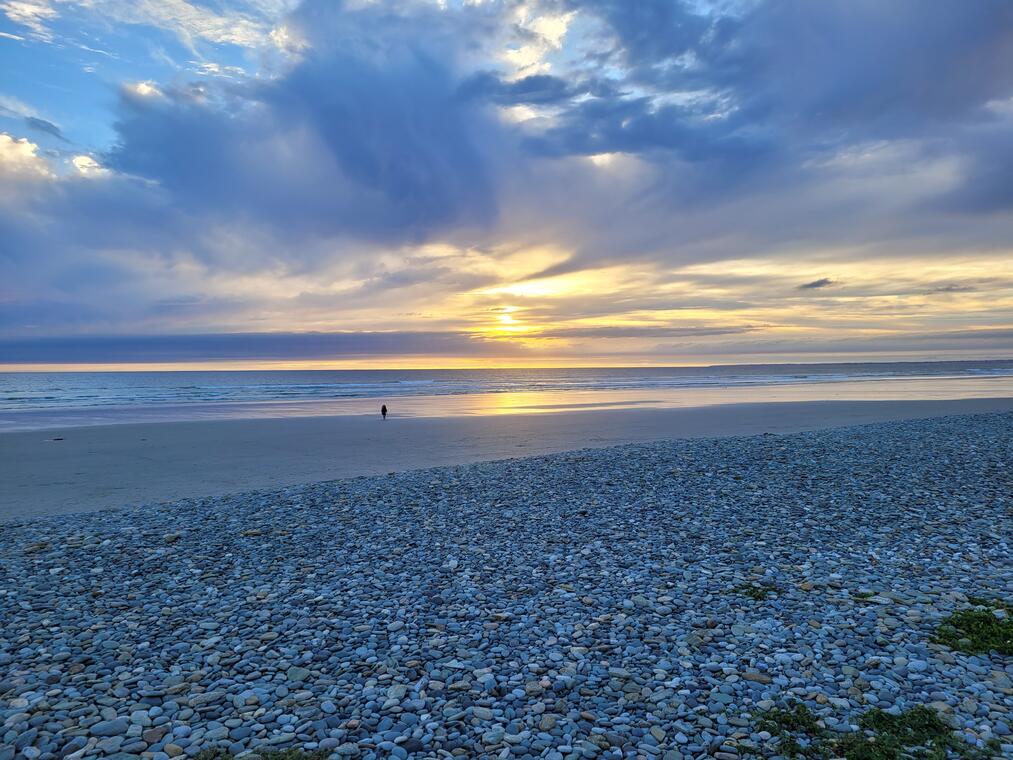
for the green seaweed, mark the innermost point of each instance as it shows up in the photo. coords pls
(977, 630)
(916, 733)
(796, 718)
(757, 591)
(792, 723)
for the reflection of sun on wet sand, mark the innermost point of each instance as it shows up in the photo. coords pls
(632, 403)
(483, 404)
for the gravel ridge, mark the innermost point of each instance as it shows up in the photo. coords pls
(649, 600)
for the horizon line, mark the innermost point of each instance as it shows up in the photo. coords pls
(315, 366)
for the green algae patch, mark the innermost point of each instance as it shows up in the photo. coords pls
(794, 719)
(797, 730)
(758, 592)
(986, 627)
(916, 733)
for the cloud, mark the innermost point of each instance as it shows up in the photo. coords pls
(993, 342)
(954, 288)
(841, 64)
(31, 14)
(353, 142)
(87, 166)
(984, 186)
(822, 282)
(188, 21)
(242, 346)
(765, 90)
(538, 89)
(643, 331)
(10, 106)
(19, 158)
(48, 127)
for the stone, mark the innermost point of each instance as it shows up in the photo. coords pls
(297, 674)
(113, 727)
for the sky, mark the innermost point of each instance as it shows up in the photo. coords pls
(451, 183)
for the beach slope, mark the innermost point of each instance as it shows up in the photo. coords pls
(662, 600)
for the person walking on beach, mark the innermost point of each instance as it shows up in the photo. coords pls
(383, 411)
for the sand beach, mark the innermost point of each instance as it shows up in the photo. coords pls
(64, 469)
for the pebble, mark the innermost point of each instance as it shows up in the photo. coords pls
(113, 727)
(585, 604)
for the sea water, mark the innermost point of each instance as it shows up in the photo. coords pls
(47, 399)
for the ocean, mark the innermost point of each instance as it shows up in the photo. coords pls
(46, 399)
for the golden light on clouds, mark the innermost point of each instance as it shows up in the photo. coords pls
(587, 281)
(505, 324)
(617, 314)
(737, 302)
(521, 183)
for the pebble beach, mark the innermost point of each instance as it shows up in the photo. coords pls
(651, 600)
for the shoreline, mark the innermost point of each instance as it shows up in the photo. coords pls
(131, 464)
(665, 600)
(512, 402)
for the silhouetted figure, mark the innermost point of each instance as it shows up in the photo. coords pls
(383, 411)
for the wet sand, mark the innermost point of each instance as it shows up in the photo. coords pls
(113, 465)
